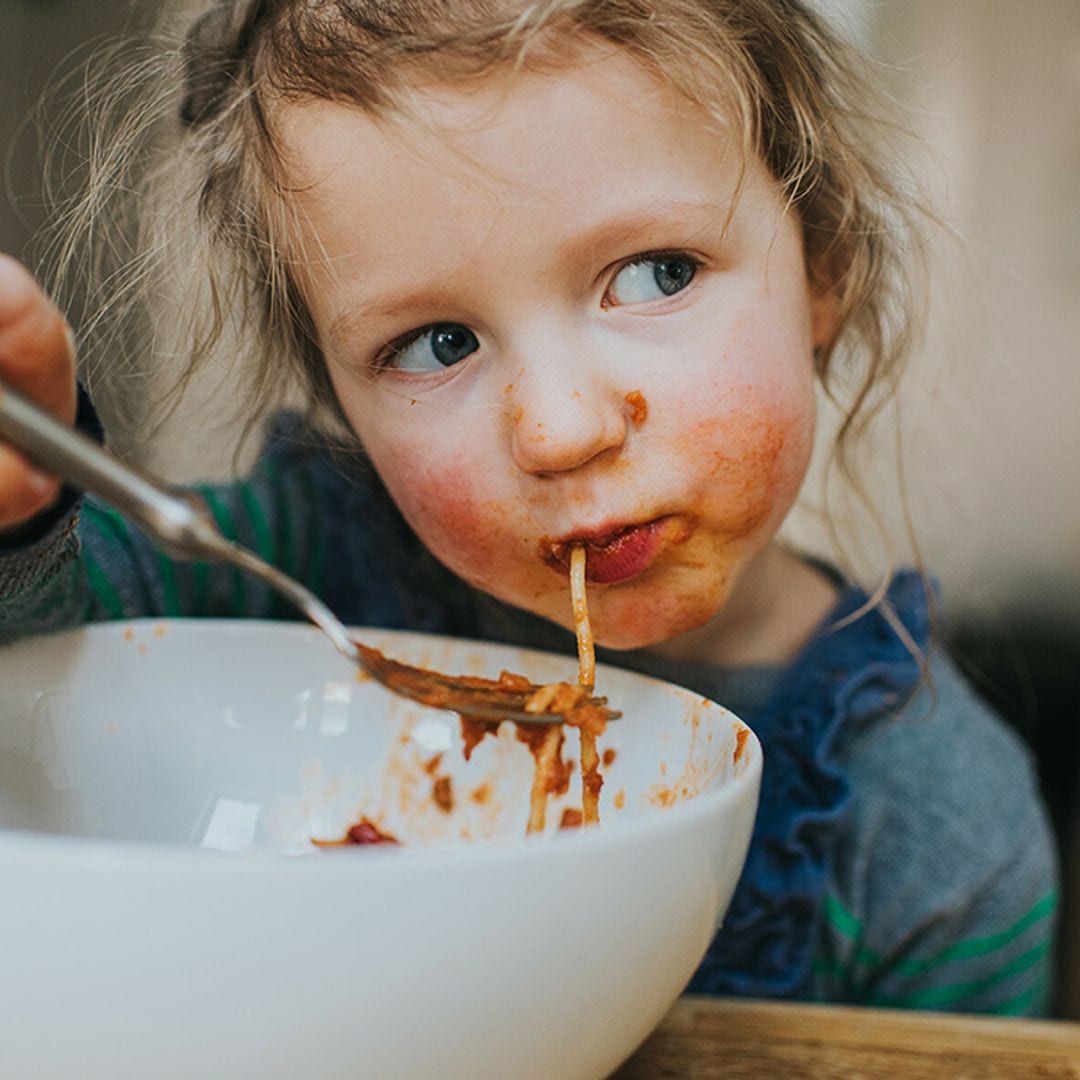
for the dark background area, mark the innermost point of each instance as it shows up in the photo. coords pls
(40, 40)
(1029, 670)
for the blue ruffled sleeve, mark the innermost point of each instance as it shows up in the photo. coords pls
(856, 668)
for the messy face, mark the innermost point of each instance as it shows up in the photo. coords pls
(560, 310)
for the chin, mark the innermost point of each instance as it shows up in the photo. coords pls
(642, 626)
(623, 642)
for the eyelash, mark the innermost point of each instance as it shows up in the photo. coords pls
(652, 257)
(658, 256)
(383, 359)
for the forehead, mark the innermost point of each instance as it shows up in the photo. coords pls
(514, 169)
(520, 137)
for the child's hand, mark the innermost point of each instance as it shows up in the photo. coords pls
(37, 359)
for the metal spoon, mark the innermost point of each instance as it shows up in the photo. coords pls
(182, 527)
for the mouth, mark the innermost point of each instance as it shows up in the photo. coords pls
(618, 554)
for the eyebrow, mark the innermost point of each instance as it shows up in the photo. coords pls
(386, 306)
(663, 214)
(620, 228)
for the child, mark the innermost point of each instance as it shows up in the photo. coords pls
(570, 271)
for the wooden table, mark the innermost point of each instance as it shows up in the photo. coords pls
(750, 1040)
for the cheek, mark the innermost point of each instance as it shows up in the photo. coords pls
(443, 501)
(754, 460)
(446, 485)
(467, 527)
(432, 482)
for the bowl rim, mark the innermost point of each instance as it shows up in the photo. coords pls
(34, 844)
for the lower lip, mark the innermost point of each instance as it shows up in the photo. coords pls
(630, 553)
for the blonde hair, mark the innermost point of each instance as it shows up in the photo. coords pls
(774, 69)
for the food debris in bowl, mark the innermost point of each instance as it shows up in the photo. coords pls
(436, 784)
(363, 834)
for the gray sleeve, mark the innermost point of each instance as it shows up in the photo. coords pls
(944, 888)
(41, 587)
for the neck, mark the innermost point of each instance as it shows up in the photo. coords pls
(777, 604)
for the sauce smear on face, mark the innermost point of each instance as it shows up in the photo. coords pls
(639, 406)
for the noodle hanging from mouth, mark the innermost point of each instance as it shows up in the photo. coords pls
(586, 651)
(548, 749)
(591, 781)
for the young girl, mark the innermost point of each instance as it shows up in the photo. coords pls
(572, 271)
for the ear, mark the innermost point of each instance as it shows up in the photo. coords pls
(824, 315)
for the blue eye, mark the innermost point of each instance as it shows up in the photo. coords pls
(433, 348)
(652, 277)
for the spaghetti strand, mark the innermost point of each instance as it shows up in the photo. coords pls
(591, 781)
(586, 650)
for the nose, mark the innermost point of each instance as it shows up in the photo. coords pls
(564, 415)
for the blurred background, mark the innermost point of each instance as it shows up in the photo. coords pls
(991, 416)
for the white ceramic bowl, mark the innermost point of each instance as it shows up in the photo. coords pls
(163, 912)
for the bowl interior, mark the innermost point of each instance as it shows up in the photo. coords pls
(233, 736)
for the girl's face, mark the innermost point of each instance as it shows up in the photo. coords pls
(549, 319)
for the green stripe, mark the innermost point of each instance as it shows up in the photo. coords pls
(113, 522)
(839, 918)
(1034, 999)
(57, 593)
(200, 588)
(828, 965)
(316, 560)
(224, 518)
(285, 538)
(169, 587)
(102, 588)
(52, 604)
(846, 924)
(281, 534)
(262, 538)
(110, 521)
(942, 997)
(982, 946)
(260, 527)
(318, 563)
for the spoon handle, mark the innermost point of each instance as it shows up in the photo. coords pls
(179, 524)
(182, 527)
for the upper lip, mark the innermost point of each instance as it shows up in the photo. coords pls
(596, 536)
(600, 535)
